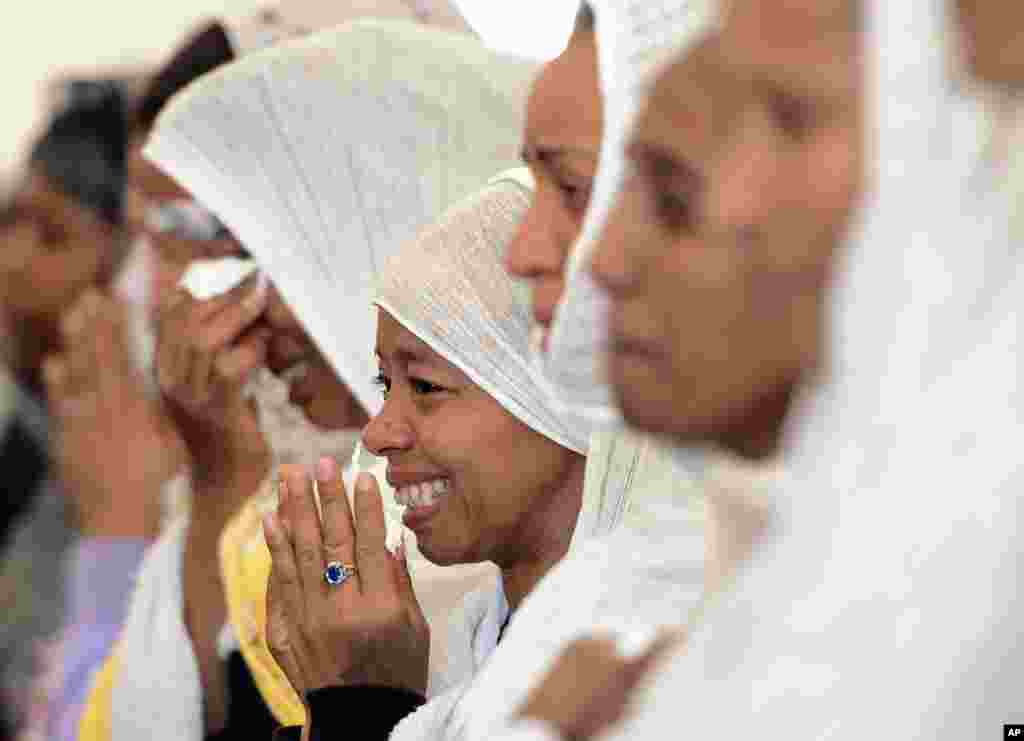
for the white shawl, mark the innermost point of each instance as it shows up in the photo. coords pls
(326, 154)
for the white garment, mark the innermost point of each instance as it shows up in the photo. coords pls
(323, 156)
(157, 662)
(473, 635)
(449, 287)
(887, 602)
(473, 632)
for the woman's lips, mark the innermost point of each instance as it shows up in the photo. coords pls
(415, 518)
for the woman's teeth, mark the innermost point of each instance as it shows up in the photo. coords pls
(422, 494)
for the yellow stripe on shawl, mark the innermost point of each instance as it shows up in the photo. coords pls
(94, 724)
(245, 568)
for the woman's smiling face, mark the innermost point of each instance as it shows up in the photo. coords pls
(479, 484)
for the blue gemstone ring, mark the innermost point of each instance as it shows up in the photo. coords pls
(338, 573)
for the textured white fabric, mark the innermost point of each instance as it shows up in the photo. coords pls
(887, 603)
(450, 288)
(325, 154)
(296, 18)
(634, 39)
(473, 630)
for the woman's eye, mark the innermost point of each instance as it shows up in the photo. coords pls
(422, 387)
(51, 234)
(675, 210)
(577, 198)
(383, 383)
(792, 115)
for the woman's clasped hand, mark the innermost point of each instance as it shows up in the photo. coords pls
(366, 630)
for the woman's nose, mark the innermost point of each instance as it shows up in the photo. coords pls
(388, 434)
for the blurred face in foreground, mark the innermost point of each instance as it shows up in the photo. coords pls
(747, 164)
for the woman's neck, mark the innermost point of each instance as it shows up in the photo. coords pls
(546, 538)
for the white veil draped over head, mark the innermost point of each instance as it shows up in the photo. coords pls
(450, 288)
(296, 18)
(887, 603)
(324, 155)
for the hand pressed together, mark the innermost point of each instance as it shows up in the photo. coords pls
(370, 629)
(116, 445)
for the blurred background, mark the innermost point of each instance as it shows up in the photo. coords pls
(126, 37)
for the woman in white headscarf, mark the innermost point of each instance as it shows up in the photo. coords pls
(490, 471)
(882, 603)
(353, 140)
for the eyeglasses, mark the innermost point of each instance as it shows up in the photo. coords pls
(185, 219)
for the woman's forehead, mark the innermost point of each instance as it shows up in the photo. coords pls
(802, 39)
(396, 343)
(691, 104)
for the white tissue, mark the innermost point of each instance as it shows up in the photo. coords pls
(205, 279)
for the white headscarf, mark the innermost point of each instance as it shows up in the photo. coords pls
(887, 605)
(325, 154)
(450, 288)
(297, 18)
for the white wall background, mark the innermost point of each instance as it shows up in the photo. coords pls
(45, 37)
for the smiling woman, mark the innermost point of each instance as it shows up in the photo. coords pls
(488, 469)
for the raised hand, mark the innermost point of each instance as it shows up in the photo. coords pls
(369, 629)
(116, 446)
(205, 354)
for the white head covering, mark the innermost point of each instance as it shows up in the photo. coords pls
(282, 21)
(450, 288)
(325, 154)
(887, 604)
(634, 39)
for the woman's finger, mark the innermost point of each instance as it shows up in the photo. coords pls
(288, 584)
(280, 636)
(637, 669)
(216, 330)
(339, 539)
(234, 365)
(173, 353)
(301, 511)
(111, 357)
(403, 578)
(77, 340)
(372, 558)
